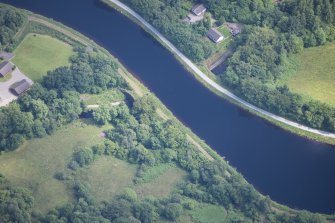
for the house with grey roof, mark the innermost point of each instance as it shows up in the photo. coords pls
(5, 68)
(215, 35)
(198, 9)
(20, 87)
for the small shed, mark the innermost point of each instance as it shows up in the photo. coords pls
(234, 28)
(5, 68)
(198, 9)
(215, 36)
(20, 87)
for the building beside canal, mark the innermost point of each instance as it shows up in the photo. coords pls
(5, 68)
(215, 35)
(20, 87)
(198, 10)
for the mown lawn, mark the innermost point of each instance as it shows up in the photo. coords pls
(34, 164)
(224, 30)
(315, 76)
(38, 54)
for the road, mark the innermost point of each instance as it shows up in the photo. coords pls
(212, 83)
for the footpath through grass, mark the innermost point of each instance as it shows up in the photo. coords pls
(38, 54)
(315, 76)
(35, 163)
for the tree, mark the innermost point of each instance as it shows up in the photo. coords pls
(102, 115)
(172, 211)
(145, 211)
(83, 156)
(15, 205)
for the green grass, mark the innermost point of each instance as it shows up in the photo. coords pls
(209, 214)
(107, 97)
(6, 78)
(38, 54)
(315, 75)
(155, 172)
(224, 30)
(34, 164)
(161, 185)
(107, 177)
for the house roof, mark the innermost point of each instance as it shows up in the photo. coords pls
(20, 86)
(5, 68)
(198, 9)
(214, 35)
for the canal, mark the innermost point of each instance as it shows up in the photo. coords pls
(291, 170)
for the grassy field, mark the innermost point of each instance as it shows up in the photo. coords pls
(315, 76)
(34, 164)
(107, 97)
(209, 214)
(107, 177)
(162, 182)
(38, 54)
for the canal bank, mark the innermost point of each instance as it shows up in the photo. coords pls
(284, 123)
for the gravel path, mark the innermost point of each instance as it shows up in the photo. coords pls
(212, 83)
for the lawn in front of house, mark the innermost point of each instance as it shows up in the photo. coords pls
(38, 54)
(315, 74)
(224, 30)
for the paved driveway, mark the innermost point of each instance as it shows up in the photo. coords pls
(5, 95)
(6, 56)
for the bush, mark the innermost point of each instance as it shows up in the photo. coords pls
(83, 156)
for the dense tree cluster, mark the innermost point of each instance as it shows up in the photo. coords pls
(10, 22)
(16, 204)
(88, 73)
(167, 17)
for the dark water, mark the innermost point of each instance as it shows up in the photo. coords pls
(292, 170)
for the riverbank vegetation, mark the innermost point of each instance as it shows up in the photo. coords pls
(272, 33)
(108, 162)
(10, 23)
(167, 17)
